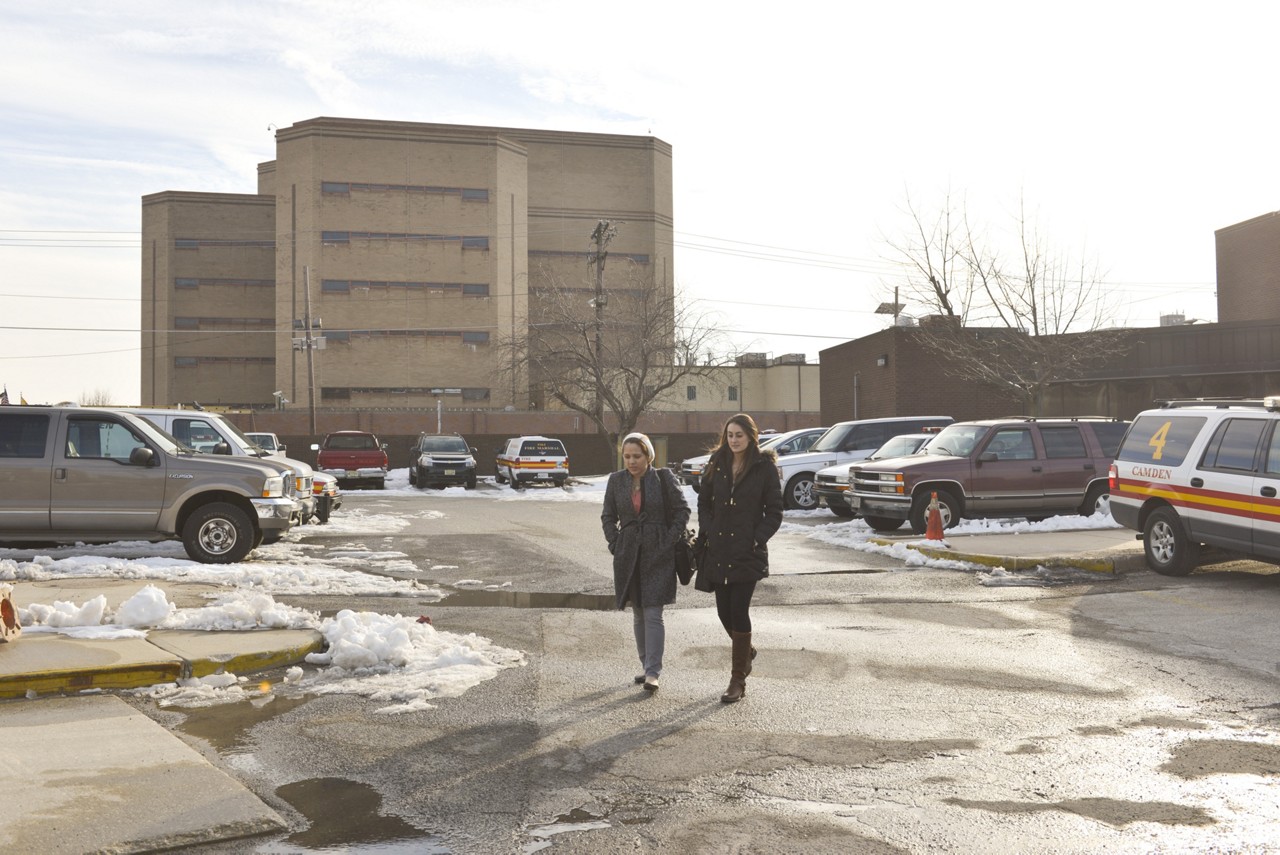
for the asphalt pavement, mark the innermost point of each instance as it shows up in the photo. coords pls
(93, 774)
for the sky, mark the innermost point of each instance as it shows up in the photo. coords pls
(394, 658)
(1131, 132)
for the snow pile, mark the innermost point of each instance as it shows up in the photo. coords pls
(402, 660)
(150, 608)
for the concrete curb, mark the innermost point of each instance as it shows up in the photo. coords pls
(1122, 561)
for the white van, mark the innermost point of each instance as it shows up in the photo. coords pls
(843, 443)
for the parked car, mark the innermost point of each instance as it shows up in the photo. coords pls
(441, 460)
(327, 495)
(527, 459)
(214, 433)
(268, 442)
(1201, 472)
(790, 442)
(78, 474)
(353, 457)
(842, 443)
(832, 483)
(1020, 467)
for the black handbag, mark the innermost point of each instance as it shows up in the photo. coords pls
(684, 545)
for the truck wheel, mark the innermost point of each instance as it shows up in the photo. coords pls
(948, 509)
(323, 510)
(799, 493)
(218, 533)
(413, 476)
(498, 477)
(1096, 501)
(883, 524)
(380, 484)
(420, 480)
(845, 513)
(471, 481)
(1164, 540)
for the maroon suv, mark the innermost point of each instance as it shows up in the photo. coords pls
(1019, 467)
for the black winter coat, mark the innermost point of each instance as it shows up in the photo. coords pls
(737, 520)
(641, 544)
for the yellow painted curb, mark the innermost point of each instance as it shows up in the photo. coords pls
(79, 680)
(260, 661)
(1093, 565)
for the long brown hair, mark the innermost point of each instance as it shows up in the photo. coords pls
(722, 455)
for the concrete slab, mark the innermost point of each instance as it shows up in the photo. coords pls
(49, 663)
(238, 652)
(182, 594)
(91, 774)
(1097, 550)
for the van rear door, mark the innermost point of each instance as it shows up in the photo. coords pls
(25, 470)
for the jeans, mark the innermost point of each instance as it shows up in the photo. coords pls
(651, 637)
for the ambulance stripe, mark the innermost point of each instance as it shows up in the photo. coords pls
(1214, 501)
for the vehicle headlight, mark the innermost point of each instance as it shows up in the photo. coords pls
(425, 460)
(273, 487)
(470, 461)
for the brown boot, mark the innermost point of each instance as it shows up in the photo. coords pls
(741, 667)
(753, 651)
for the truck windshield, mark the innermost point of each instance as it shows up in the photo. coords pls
(833, 438)
(957, 440)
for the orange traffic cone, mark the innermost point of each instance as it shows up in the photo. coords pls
(933, 531)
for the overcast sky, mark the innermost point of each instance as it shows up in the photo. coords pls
(1132, 131)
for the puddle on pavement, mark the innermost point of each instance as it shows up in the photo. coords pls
(225, 726)
(529, 600)
(575, 820)
(343, 817)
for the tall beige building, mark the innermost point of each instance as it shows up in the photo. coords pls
(418, 247)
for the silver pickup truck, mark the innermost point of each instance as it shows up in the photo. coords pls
(69, 474)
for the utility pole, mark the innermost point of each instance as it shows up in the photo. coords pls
(309, 342)
(601, 236)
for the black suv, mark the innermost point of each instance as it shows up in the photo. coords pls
(441, 460)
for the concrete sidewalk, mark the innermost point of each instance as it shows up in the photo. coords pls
(1112, 550)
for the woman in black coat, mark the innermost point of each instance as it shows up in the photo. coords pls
(644, 512)
(739, 509)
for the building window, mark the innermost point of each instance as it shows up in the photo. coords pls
(469, 195)
(733, 393)
(336, 286)
(475, 338)
(183, 282)
(691, 392)
(475, 290)
(331, 393)
(185, 361)
(186, 243)
(475, 243)
(475, 394)
(335, 187)
(340, 336)
(186, 323)
(335, 237)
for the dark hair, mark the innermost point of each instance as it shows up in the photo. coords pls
(722, 455)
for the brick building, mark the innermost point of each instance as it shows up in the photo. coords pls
(417, 245)
(1248, 255)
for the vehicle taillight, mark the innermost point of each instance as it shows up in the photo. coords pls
(1112, 478)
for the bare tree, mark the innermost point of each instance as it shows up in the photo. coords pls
(607, 353)
(1015, 320)
(97, 398)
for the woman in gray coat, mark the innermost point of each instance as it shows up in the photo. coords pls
(644, 512)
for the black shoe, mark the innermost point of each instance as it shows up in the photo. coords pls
(639, 679)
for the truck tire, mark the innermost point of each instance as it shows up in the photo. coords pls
(323, 509)
(883, 524)
(1096, 501)
(218, 533)
(799, 493)
(845, 513)
(948, 509)
(1168, 549)
(471, 482)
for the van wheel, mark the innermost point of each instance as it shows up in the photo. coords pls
(499, 478)
(948, 510)
(883, 524)
(471, 482)
(845, 513)
(799, 493)
(1164, 540)
(413, 476)
(1096, 501)
(218, 533)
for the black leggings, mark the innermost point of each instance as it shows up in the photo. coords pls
(733, 604)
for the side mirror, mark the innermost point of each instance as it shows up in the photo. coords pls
(222, 448)
(283, 448)
(987, 457)
(141, 456)
(473, 450)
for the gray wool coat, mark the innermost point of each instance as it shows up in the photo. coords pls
(641, 544)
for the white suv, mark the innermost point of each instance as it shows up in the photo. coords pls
(843, 443)
(1201, 472)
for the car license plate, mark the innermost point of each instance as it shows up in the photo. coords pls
(543, 475)
(351, 473)
(451, 471)
(854, 501)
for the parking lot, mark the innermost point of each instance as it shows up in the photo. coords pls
(898, 705)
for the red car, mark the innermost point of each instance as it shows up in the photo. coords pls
(353, 457)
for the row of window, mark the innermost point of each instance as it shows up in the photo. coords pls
(197, 243)
(345, 188)
(467, 336)
(345, 393)
(191, 361)
(467, 289)
(637, 257)
(187, 282)
(221, 323)
(336, 238)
